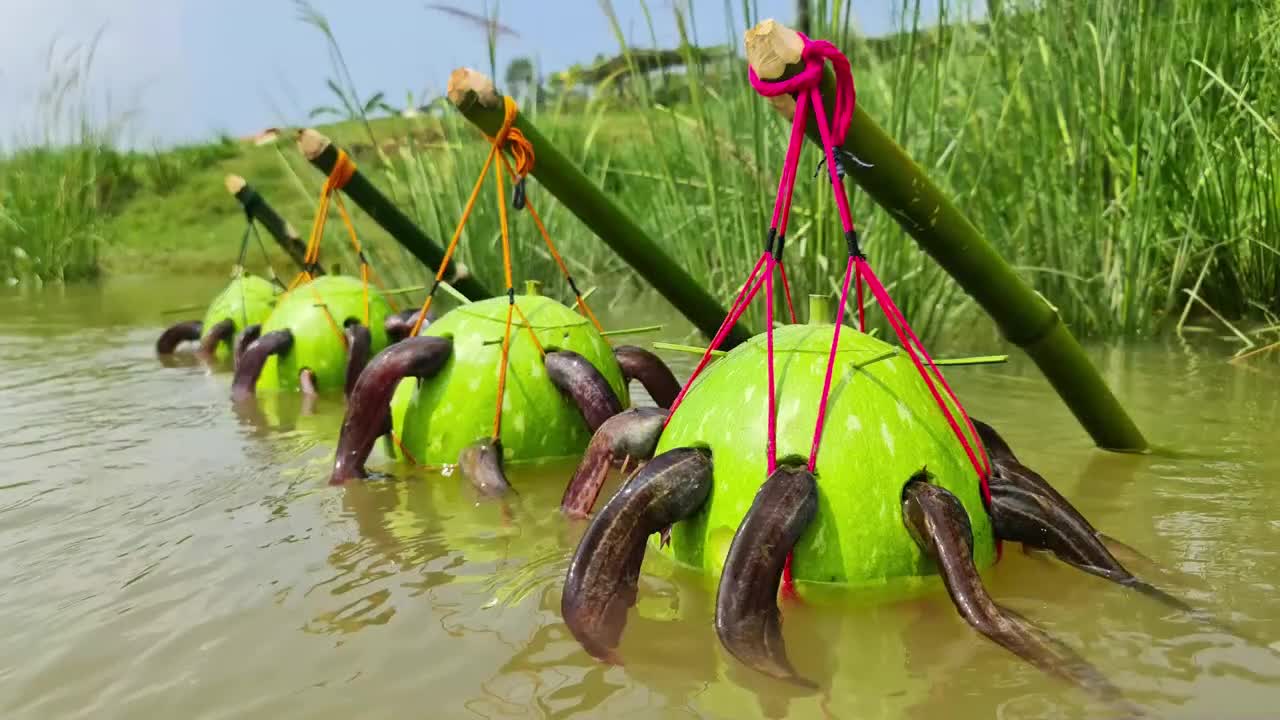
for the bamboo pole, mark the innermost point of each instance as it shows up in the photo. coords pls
(896, 183)
(322, 153)
(476, 98)
(256, 207)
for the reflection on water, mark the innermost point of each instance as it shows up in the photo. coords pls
(170, 555)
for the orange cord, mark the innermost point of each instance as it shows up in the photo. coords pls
(502, 374)
(343, 170)
(511, 140)
(551, 246)
(453, 243)
(400, 446)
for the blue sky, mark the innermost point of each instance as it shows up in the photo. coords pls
(186, 69)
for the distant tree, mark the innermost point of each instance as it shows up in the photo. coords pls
(519, 77)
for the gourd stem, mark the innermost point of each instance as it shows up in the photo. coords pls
(819, 309)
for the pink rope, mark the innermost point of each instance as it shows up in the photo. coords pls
(828, 147)
(805, 86)
(772, 446)
(739, 307)
(831, 364)
(816, 53)
(911, 343)
(790, 165)
(862, 309)
(786, 289)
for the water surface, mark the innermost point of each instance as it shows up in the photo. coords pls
(168, 556)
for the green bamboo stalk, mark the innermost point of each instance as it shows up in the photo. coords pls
(258, 209)
(322, 153)
(896, 183)
(476, 98)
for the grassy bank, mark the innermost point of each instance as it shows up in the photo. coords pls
(1123, 154)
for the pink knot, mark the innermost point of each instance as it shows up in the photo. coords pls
(816, 53)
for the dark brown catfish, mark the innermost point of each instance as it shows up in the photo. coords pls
(254, 358)
(940, 526)
(368, 408)
(631, 434)
(222, 331)
(582, 383)
(747, 618)
(601, 582)
(176, 334)
(399, 325)
(359, 343)
(243, 341)
(481, 462)
(657, 379)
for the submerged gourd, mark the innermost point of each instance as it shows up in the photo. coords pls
(316, 314)
(882, 426)
(247, 300)
(437, 417)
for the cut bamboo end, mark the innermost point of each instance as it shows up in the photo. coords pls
(234, 183)
(312, 143)
(466, 83)
(771, 47)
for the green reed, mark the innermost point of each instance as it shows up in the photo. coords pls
(1120, 153)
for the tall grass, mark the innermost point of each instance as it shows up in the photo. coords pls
(1122, 154)
(52, 191)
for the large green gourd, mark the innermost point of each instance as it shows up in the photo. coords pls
(456, 407)
(311, 311)
(247, 300)
(882, 426)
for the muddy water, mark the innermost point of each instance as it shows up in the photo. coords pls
(166, 556)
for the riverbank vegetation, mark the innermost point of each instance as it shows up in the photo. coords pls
(1124, 155)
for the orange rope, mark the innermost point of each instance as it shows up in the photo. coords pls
(511, 140)
(555, 254)
(532, 335)
(339, 176)
(343, 170)
(502, 374)
(400, 446)
(453, 244)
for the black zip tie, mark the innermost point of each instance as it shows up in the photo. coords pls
(511, 296)
(844, 160)
(518, 195)
(770, 238)
(851, 239)
(434, 286)
(573, 286)
(777, 247)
